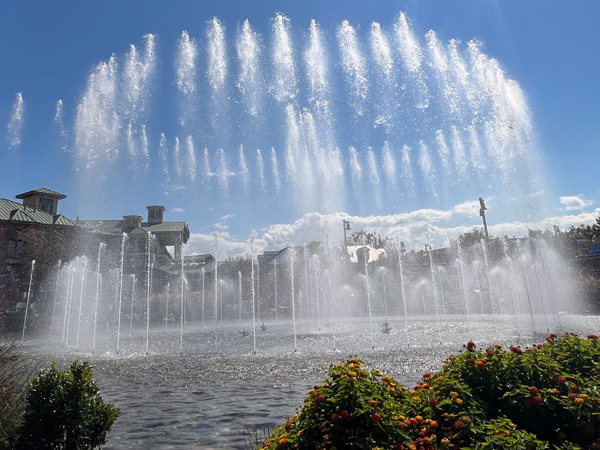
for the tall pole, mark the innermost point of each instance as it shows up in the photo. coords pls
(482, 210)
(346, 226)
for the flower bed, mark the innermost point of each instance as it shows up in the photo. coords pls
(535, 398)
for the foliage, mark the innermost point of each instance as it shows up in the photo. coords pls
(240, 263)
(364, 238)
(591, 232)
(546, 396)
(14, 371)
(65, 411)
(471, 238)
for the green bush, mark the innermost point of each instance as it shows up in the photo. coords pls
(65, 411)
(538, 398)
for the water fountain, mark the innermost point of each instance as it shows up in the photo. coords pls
(422, 121)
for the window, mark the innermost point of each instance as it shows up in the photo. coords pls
(47, 204)
(12, 248)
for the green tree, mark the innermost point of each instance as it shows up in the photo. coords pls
(591, 232)
(471, 238)
(64, 411)
(366, 238)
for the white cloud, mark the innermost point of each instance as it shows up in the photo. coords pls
(575, 202)
(469, 209)
(177, 210)
(415, 229)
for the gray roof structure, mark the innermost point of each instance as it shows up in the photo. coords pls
(42, 191)
(17, 213)
(116, 226)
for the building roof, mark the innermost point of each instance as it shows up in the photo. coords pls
(42, 191)
(116, 226)
(15, 212)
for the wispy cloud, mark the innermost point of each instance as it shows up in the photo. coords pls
(575, 202)
(178, 210)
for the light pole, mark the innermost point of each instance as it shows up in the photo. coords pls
(482, 210)
(346, 226)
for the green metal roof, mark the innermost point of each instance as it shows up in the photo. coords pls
(42, 191)
(15, 212)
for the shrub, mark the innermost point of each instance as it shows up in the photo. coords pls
(541, 397)
(65, 411)
(14, 372)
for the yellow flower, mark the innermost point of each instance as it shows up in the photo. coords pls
(412, 447)
(583, 396)
(454, 394)
(579, 401)
(458, 401)
(445, 441)
(351, 366)
(352, 374)
(354, 379)
(417, 399)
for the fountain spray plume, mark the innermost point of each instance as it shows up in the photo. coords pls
(316, 62)
(28, 299)
(186, 75)
(15, 125)
(284, 86)
(252, 281)
(353, 63)
(249, 48)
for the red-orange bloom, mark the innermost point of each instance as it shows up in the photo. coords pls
(533, 390)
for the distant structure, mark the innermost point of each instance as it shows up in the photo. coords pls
(30, 231)
(153, 236)
(34, 230)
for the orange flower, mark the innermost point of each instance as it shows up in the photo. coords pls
(579, 401)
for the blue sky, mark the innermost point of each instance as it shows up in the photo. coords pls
(549, 48)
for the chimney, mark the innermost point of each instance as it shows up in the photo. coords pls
(133, 220)
(155, 214)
